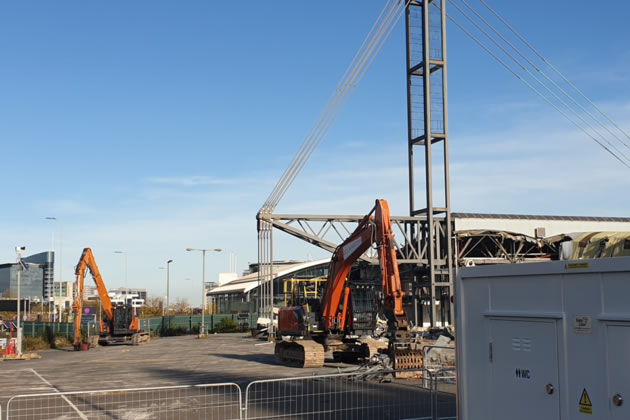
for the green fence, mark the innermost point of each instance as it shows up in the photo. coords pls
(192, 323)
(187, 323)
(35, 329)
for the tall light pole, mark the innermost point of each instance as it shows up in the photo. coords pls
(202, 330)
(60, 255)
(126, 289)
(20, 267)
(168, 285)
(163, 298)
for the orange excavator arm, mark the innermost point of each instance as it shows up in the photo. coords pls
(87, 262)
(371, 230)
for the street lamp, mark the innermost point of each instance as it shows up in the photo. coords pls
(126, 290)
(60, 255)
(168, 286)
(202, 330)
(163, 297)
(20, 267)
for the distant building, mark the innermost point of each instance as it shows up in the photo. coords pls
(63, 295)
(241, 294)
(36, 282)
(135, 297)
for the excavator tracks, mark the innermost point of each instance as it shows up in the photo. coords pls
(371, 346)
(300, 353)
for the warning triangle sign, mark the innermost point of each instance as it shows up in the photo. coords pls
(585, 400)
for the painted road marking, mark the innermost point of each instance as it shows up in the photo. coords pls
(74, 407)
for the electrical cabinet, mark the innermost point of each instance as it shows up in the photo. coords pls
(544, 341)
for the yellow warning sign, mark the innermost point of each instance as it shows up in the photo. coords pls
(585, 406)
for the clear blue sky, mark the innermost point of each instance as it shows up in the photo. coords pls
(152, 126)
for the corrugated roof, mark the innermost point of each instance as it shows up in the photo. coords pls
(250, 281)
(539, 217)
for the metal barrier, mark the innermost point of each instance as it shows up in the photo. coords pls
(359, 394)
(438, 357)
(215, 401)
(355, 395)
(444, 390)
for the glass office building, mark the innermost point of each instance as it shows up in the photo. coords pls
(36, 282)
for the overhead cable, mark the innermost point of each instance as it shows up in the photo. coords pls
(554, 94)
(549, 79)
(338, 100)
(529, 85)
(495, 13)
(353, 75)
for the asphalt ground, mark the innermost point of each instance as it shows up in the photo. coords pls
(184, 361)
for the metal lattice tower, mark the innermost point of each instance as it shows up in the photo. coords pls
(427, 116)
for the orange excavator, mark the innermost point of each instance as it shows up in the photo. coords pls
(344, 319)
(120, 324)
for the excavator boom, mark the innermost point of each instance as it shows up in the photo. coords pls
(377, 230)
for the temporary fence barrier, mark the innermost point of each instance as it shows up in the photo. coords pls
(438, 357)
(340, 396)
(359, 394)
(48, 329)
(444, 387)
(214, 401)
(192, 323)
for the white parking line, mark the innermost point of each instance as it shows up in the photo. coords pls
(74, 407)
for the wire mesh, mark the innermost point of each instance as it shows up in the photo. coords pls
(341, 396)
(444, 390)
(215, 402)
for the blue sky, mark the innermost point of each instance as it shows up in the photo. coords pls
(152, 126)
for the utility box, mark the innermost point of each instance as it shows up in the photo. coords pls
(544, 341)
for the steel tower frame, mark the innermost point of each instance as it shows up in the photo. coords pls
(427, 119)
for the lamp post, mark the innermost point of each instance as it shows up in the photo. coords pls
(163, 297)
(126, 289)
(20, 267)
(60, 256)
(168, 285)
(202, 330)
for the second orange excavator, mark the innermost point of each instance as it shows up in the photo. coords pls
(120, 323)
(344, 319)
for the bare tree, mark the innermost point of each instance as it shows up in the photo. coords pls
(152, 307)
(180, 307)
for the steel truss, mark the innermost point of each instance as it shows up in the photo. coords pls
(427, 122)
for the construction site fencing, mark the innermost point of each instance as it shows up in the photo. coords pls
(214, 401)
(444, 388)
(47, 329)
(354, 395)
(438, 357)
(192, 323)
(358, 394)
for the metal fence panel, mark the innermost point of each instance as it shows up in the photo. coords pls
(349, 396)
(213, 401)
(444, 391)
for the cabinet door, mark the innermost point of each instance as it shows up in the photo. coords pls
(524, 364)
(618, 362)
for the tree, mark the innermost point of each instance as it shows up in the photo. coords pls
(180, 307)
(152, 307)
